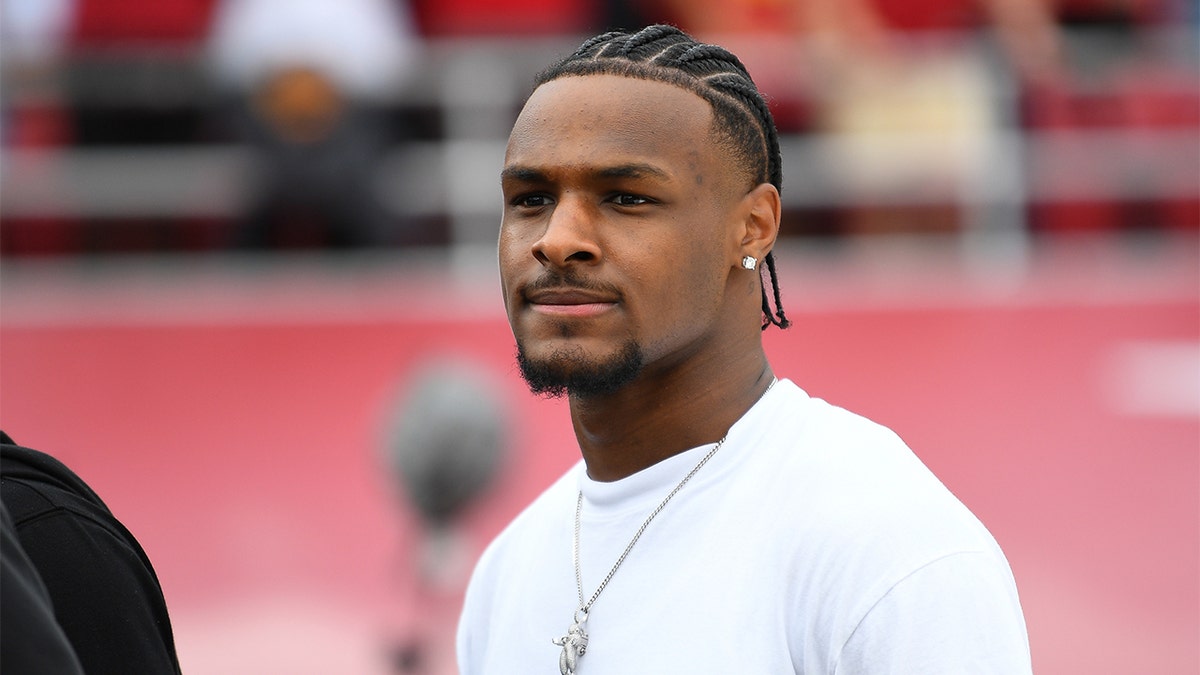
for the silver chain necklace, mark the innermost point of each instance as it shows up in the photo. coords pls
(574, 643)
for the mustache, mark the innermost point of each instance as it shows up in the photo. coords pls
(549, 279)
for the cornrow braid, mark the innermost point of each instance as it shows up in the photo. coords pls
(588, 45)
(639, 44)
(744, 124)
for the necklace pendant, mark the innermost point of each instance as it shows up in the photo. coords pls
(574, 644)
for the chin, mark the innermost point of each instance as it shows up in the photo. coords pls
(570, 371)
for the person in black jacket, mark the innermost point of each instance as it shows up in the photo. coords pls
(104, 593)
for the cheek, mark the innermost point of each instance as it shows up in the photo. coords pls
(509, 258)
(705, 259)
(690, 280)
(514, 243)
(506, 240)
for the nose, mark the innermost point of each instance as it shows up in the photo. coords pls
(570, 235)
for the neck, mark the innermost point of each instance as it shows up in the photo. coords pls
(660, 415)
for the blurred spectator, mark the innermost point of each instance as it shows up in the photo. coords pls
(105, 594)
(33, 39)
(912, 104)
(306, 79)
(1126, 88)
(921, 107)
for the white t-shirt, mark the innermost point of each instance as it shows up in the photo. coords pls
(813, 542)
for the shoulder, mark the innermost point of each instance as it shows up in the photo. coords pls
(43, 495)
(35, 484)
(825, 454)
(105, 592)
(791, 412)
(858, 481)
(882, 537)
(837, 452)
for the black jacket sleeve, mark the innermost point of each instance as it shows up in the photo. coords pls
(105, 594)
(32, 641)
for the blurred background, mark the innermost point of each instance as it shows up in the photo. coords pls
(248, 291)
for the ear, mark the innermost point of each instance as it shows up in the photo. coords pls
(761, 212)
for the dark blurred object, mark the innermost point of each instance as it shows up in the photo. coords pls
(318, 153)
(445, 446)
(33, 642)
(308, 80)
(106, 596)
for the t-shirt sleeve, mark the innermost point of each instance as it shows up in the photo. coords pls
(957, 614)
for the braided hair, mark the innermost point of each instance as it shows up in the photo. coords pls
(744, 125)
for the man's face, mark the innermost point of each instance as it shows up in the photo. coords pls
(618, 232)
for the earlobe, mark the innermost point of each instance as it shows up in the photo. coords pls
(761, 221)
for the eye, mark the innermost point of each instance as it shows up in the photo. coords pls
(530, 201)
(626, 199)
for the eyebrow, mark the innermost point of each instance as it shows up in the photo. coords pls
(630, 170)
(522, 173)
(635, 170)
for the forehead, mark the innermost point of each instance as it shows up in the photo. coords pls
(609, 118)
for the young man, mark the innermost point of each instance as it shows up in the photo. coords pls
(721, 521)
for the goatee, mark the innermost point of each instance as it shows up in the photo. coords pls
(569, 372)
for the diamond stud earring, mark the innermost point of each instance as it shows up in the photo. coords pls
(749, 262)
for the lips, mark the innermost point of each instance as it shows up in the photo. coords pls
(565, 301)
